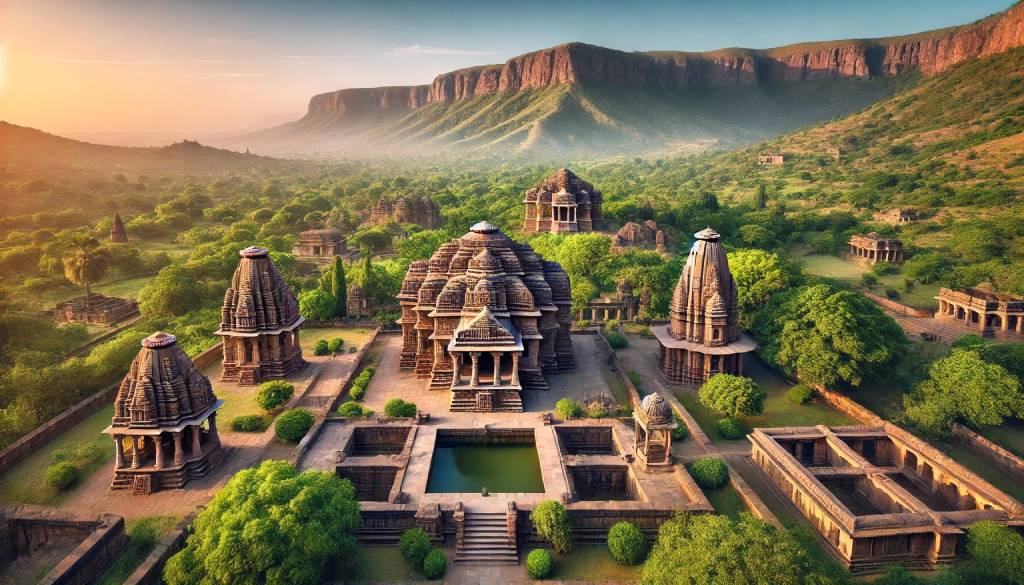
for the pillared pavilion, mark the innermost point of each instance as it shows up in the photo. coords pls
(562, 203)
(703, 337)
(486, 317)
(159, 411)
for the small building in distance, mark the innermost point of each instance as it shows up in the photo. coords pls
(622, 306)
(118, 235)
(653, 424)
(771, 160)
(703, 337)
(259, 322)
(486, 317)
(879, 495)
(640, 235)
(95, 309)
(357, 305)
(320, 246)
(421, 211)
(873, 248)
(901, 215)
(159, 411)
(563, 204)
(982, 308)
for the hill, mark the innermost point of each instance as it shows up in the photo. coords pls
(578, 99)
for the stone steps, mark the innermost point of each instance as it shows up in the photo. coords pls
(485, 540)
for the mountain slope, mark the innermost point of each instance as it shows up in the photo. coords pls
(632, 101)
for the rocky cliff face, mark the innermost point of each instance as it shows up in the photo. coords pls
(930, 53)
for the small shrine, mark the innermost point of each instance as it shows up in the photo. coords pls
(873, 248)
(653, 424)
(320, 246)
(159, 412)
(623, 306)
(95, 309)
(640, 235)
(118, 235)
(562, 204)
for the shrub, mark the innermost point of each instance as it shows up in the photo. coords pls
(274, 394)
(616, 339)
(434, 564)
(321, 347)
(335, 345)
(709, 473)
(597, 410)
(353, 409)
(538, 563)
(868, 279)
(680, 432)
(398, 408)
(730, 429)
(892, 293)
(249, 423)
(551, 522)
(800, 394)
(292, 425)
(634, 377)
(61, 475)
(997, 550)
(883, 268)
(626, 543)
(357, 392)
(568, 409)
(414, 546)
(733, 396)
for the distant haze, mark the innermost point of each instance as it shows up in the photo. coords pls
(147, 72)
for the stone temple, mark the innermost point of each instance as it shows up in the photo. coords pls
(562, 203)
(486, 317)
(118, 235)
(259, 322)
(159, 411)
(703, 337)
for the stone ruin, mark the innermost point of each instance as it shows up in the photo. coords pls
(421, 211)
(95, 309)
(118, 235)
(563, 203)
(640, 235)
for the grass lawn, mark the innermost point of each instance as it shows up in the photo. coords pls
(128, 288)
(832, 267)
(921, 295)
(374, 564)
(986, 470)
(590, 562)
(238, 400)
(726, 501)
(884, 394)
(778, 412)
(24, 483)
(1009, 435)
(354, 337)
(143, 536)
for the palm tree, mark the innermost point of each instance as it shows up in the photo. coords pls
(85, 260)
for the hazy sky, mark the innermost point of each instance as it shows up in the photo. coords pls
(142, 71)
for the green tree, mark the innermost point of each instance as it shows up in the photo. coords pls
(85, 261)
(733, 396)
(270, 525)
(551, 522)
(756, 236)
(710, 549)
(827, 336)
(317, 304)
(421, 245)
(339, 289)
(962, 387)
(927, 268)
(626, 543)
(173, 292)
(762, 196)
(997, 551)
(758, 276)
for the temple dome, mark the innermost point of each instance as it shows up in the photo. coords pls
(483, 227)
(656, 410)
(258, 298)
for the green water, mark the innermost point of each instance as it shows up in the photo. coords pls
(501, 468)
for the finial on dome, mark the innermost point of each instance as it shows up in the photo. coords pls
(253, 252)
(483, 227)
(159, 339)
(708, 235)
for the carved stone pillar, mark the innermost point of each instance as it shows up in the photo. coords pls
(135, 453)
(457, 368)
(214, 436)
(179, 450)
(159, 451)
(118, 452)
(515, 369)
(474, 377)
(496, 356)
(197, 448)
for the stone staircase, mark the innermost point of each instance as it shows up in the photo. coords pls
(502, 401)
(485, 540)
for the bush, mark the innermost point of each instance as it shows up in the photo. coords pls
(551, 522)
(292, 425)
(568, 409)
(434, 564)
(733, 396)
(249, 423)
(680, 432)
(335, 344)
(800, 394)
(730, 429)
(626, 543)
(597, 410)
(538, 563)
(353, 409)
(357, 392)
(616, 339)
(868, 279)
(414, 546)
(709, 473)
(274, 394)
(892, 293)
(997, 551)
(398, 408)
(321, 347)
(61, 475)
(362, 381)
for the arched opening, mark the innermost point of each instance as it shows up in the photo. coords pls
(910, 463)
(926, 475)
(969, 503)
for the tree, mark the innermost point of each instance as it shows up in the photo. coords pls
(626, 543)
(710, 549)
(927, 267)
(997, 551)
(371, 288)
(733, 396)
(579, 255)
(85, 261)
(762, 196)
(551, 522)
(756, 235)
(374, 239)
(414, 546)
(758, 276)
(827, 336)
(421, 245)
(317, 304)
(963, 387)
(339, 289)
(270, 525)
(173, 292)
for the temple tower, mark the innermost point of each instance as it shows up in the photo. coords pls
(159, 411)
(259, 322)
(118, 235)
(562, 203)
(703, 336)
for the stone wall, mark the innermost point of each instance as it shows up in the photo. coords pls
(989, 451)
(898, 307)
(101, 540)
(849, 407)
(150, 572)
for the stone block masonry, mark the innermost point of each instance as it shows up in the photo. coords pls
(102, 539)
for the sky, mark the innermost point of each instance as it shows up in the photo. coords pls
(147, 72)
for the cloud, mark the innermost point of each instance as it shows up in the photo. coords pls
(425, 50)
